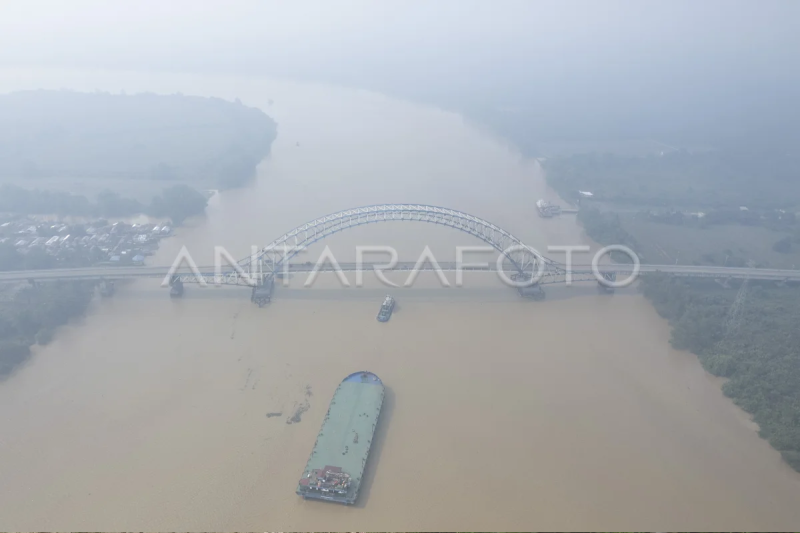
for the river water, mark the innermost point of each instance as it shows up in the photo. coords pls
(572, 413)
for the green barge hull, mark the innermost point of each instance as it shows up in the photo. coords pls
(335, 468)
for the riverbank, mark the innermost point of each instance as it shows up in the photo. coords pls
(711, 208)
(38, 243)
(30, 314)
(101, 144)
(747, 334)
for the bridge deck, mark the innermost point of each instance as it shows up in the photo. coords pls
(523, 258)
(578, 272)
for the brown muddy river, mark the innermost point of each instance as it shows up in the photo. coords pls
(501, 414)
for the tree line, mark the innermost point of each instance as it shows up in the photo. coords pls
(760, 355)
(719, 180)
(208, 142)
(605, 227)
(177, 203)
(30, 315)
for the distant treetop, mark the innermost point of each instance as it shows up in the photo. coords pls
(208, 142)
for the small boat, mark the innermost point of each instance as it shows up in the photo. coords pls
(547, 209)
(387, 307)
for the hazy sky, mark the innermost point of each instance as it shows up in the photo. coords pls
(584, 54)
(306, 35)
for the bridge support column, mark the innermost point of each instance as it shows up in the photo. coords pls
(176, 287)
(610, 277)
(262, 293)
(107, 288)
(534, 292)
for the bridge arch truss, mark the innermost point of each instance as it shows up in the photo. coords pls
(520, 258)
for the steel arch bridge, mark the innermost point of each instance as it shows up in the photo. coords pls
(523, 260)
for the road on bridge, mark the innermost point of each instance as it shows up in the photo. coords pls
(114, 273)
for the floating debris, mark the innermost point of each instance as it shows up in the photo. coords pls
(298, 413)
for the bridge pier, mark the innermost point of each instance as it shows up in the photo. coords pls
(518, 257)
(176, 287)
(107, 288)
(262, 293)
(534, 292)
(610, 277)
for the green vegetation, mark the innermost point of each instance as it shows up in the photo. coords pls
(787, 244)
(606, 228)
(29, 315)
(176, 202)
(679, 179)
(36, 259)
(760, 356)
(206, 142)
(712, 207)
(725, 209)
(57, 137)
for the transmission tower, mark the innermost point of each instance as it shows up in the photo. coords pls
(734, 317)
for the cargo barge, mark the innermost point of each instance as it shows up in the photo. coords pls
(335, 468)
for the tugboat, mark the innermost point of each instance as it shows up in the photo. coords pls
(386, 309)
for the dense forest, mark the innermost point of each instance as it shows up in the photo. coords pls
(176, 202)
(30, 314)
(759, 352)
(606, 228)
(711, 207)
(711, 179)
(638, 202)
(206, 142)
(35, 259)
(184, 142)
